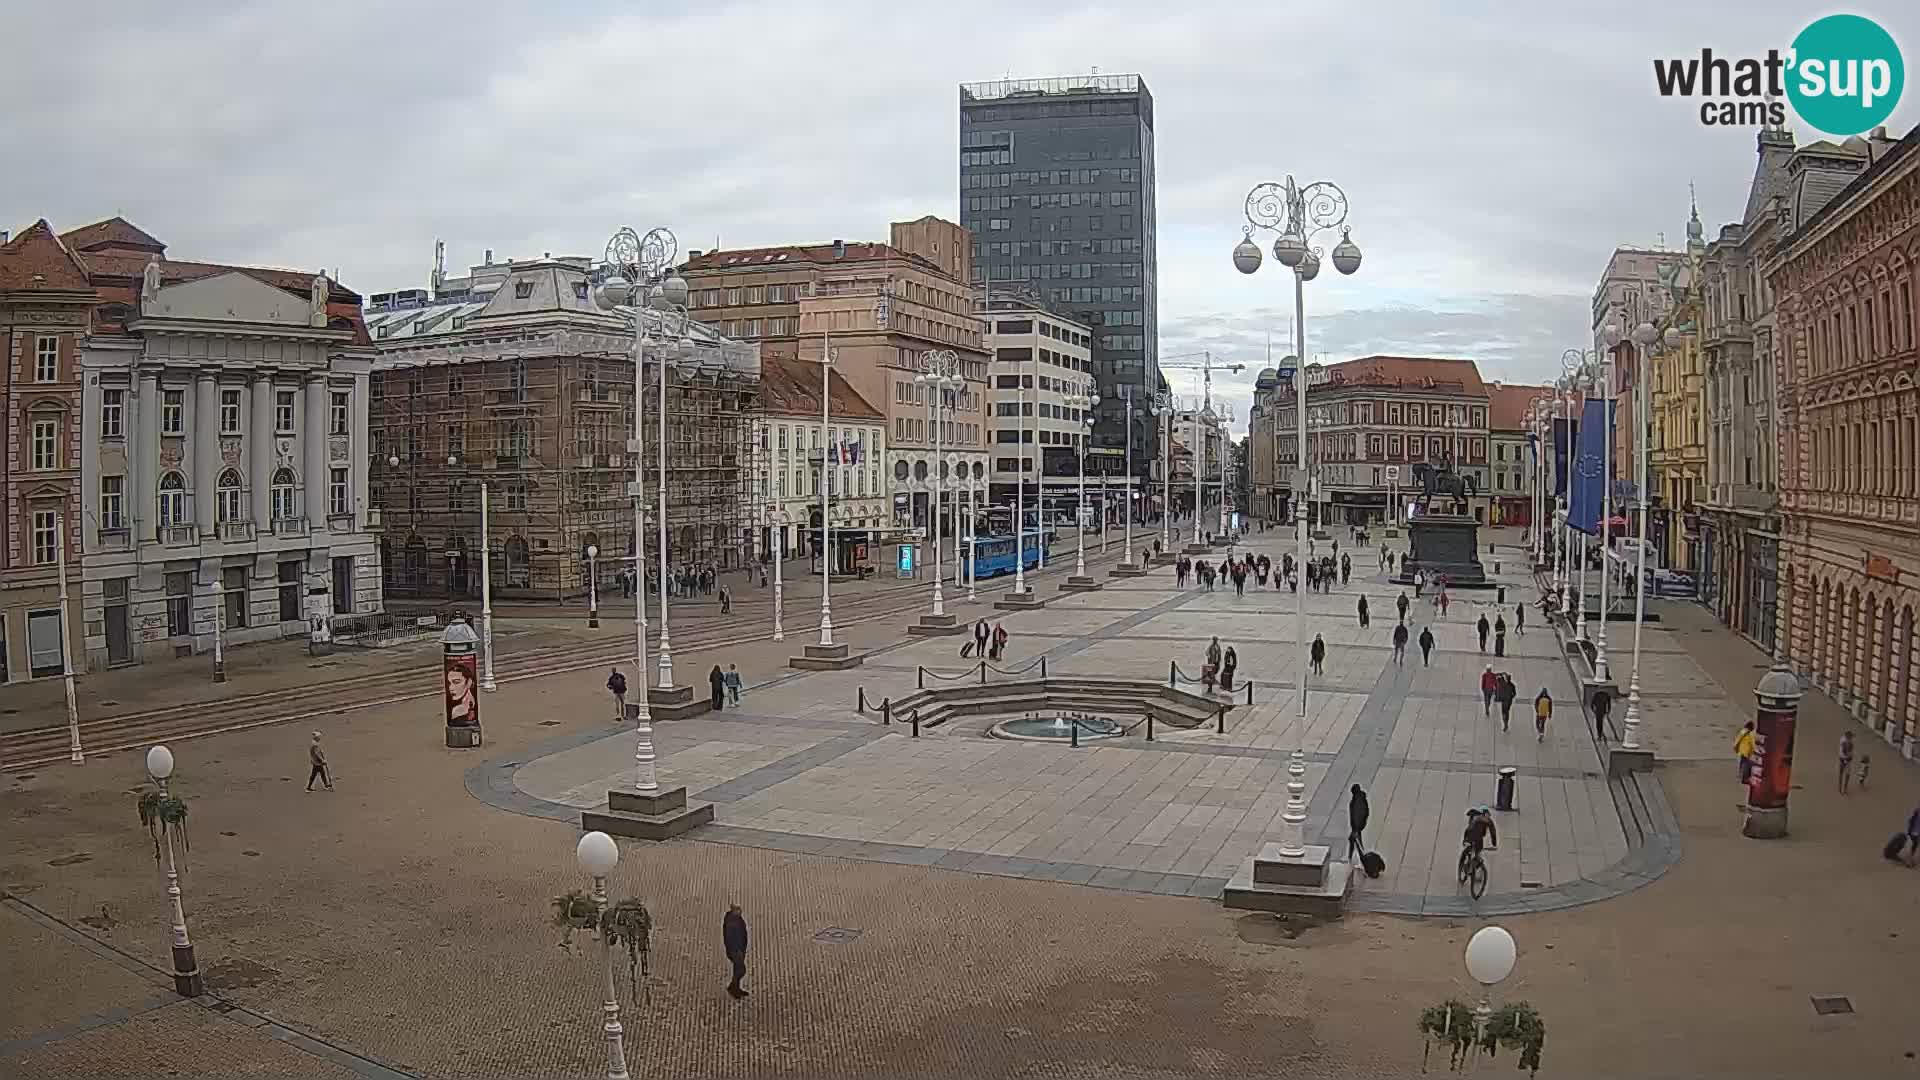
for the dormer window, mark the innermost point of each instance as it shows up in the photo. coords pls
(522, 289)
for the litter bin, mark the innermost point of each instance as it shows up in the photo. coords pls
(1503, 791)
(1500, 594)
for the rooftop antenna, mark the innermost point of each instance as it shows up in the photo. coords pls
(439, 269)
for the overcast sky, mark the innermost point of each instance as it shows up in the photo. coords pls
(1491, 161)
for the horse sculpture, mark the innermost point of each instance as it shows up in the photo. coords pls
(1440, 479)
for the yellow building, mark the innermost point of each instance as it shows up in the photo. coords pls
(1677, 435)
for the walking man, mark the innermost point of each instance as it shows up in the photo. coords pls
(617, 686)
(1505, 695)
(1357, 813)
(733, 935)
(1520, 618)
(318, 759)
(1318, 652)
(1402, 605)
(1426, 646)
(1602, 705)
(732, 681)
(1846, 759)
(1542, 712)
(1363, 611)
(1400, 643)
(1483, 627)
(1489, 685)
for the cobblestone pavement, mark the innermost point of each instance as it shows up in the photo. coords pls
(399, 923)
(1175, 816)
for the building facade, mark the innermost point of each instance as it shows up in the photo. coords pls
(1057, 189)
(790, 435)
(46, 304)
(1513, 468)
(1634, 288)
(514, 379)
(224, 422)
(881, 308)
(1843, 282)
(1676, 397)
(1041, 358)
(1370, 421)
(1740, 512)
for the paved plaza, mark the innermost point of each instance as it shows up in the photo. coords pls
(1176, 815)
(958, 906)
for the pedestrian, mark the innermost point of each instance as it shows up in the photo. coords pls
(1402, 605)
(726, 601)
(1846, 760)
(981, 633)
(717, 683)
(318, 759)
(1363, 611)
(1400, 643)
(1866, 761)
(1483, 626)
(1505, 695)
(1426, 646)
(1743, 751)
(1443, 600)
(999, 640)
(1602, 705)
(1520, 618)
(733, 937)
(732, 680)
(1913, 834)
(1500, 635)
(1542, 709)
(1357, 813)
(1346, 569)
(617, 685)
(1419, 581)
(1318, 653)
(1229, 662)
(1489, 685)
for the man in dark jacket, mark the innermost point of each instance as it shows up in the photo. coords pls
(1400, 643)
(1426, 646)
(1363, 611)
(1317, 652)
(1357, 811)
(733, 934)
(1483, 627)
(1602, 705)
(617, 686)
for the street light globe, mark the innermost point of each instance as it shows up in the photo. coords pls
(673, 291)
(1346, 254)
(598, 854)
(453, 459)
(1310, 267)
(612, 293)
(393, 461)
(1246, 255)
(1289, 248)
(1645, 335)
(159, 762)
(1610, 334)
(1671, 339)
(593, 551)
(1490, 955)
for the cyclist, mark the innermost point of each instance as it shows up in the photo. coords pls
(1480, 830)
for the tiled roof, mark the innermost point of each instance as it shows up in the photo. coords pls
(1508, 404)
(115, 232)
(1457, 376)
(793, 254)
(36, 260)
(791, 387)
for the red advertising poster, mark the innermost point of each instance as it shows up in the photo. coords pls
(1772, 760)
(462, 678)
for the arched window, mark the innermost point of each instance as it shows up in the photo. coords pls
(282, 495)
(173, 500)
(227, 493)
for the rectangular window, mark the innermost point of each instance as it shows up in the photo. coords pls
(340, 411)
(113, 411)
(46, 358)
(233, 598)
(46, 440)
(229, 412)
(337, 502)
(282, 412)
(172, 412)
(45, 541)
(113, 502)
(180, 604)
(516, 495)
(733, 297)
(289, 590)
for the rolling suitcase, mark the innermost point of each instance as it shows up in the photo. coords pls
(1895, 844)
(1374, 865)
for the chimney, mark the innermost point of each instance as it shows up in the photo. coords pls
(839, 249)
(3, 235)
(488, 261)
(694, 253)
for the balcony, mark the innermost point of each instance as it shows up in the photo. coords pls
(115, 538)
(236, 531)
(185, 535)
(1728, 332)
(290, 526)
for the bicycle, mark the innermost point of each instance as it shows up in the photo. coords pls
(1473, 871)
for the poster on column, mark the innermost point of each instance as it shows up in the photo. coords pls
(1772, 775)
(462, 677)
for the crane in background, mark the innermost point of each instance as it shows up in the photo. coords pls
(1206, 365)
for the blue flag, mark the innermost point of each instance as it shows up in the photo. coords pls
(1589, 467)
(1564, 433)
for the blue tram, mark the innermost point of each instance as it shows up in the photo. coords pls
(994, 554)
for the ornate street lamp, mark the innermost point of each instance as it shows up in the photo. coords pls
(940, 375)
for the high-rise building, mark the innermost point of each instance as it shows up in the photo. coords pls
(1056, 185)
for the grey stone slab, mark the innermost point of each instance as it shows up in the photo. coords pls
(1111, 878)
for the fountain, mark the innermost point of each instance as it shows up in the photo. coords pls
(1057, 728)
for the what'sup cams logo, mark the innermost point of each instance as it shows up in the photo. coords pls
(1842, 74)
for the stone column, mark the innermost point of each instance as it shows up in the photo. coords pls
(260, 450)
(206, 451)
(313, 446)
(357, 447)
(144, 478)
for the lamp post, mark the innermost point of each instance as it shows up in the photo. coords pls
(1126, 514)
(974, 482)
(1490, 958)
(593, 590)
(1162, 406)
(219, 639)
(1226, 445)
(637, 265)
(1298, 215)
(826, 489)
(1082, 400)
(776, 526)
(940, 375)
(1598, 371)
(187, 981)
(1577, 381)
(74, 753)
(598, 855)
(1204, 416)
(1644, 338)
(487, 684)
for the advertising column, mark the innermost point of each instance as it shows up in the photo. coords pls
(1771, 777)
(460, 673)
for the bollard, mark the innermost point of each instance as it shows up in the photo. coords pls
(1149, 727)
(886, 711)
(915, 721)
(1249, 691)
(1075, 732)
(1222, 717)
(1173, 670)
(862, 707)
(1043, 665)
(983, 673)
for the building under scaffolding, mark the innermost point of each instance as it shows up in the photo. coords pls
(512, 378)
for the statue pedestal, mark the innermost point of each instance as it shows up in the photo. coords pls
(1445, 544)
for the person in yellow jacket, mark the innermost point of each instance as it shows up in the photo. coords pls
(1743, 750)
(1542, 710)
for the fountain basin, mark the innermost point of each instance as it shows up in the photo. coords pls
(1055, 729)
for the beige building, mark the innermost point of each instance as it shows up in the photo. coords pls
(881, 308)
(1041, 359)
(791, 435)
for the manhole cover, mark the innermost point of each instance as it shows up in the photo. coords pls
(836, 935)
(70, 860)
(549, 723)
(1831, 1004)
